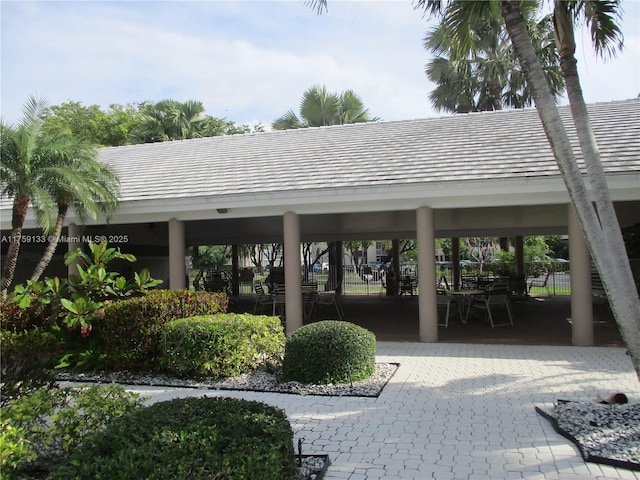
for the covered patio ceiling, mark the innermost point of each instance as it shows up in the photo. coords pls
(522, 220)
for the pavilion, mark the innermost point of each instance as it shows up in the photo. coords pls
(479, 174)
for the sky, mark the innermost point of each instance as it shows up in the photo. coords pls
(246, 61)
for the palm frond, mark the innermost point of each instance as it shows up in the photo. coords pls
(319, 6)
(603, 19)
(287, 121)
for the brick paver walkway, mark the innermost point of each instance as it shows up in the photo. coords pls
(455, 411)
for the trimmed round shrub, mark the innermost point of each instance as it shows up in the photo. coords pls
(223, 345)
(195, 438)
(329, 352)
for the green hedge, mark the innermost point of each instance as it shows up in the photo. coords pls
(223, 345)
(329, 352)
(130, 330)
(195, 438)
(39, 429)
(28, 348)
(14, 318)
(26, 361)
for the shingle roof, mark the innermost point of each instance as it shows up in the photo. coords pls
(496, 145)
(502, 147)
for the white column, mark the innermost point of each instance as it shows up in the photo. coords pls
(292, 279)
(177, 267)
(427, 302)
(74, 242)
(581, 300)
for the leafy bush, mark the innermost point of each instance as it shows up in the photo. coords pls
(329, 352)
(130, 330)
(26, 359)
(79, 300)
(41, 428)
(222, 345)
(195, 438)
(27, 348)
(16, 318)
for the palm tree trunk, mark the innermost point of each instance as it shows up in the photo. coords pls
(605, 261)
(624, 299)
(53, 243)
(20, 206)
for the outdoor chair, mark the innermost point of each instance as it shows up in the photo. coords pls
(451, 305)
(328, 298)
(537, 282)
(262, 298)
(486, 305)
(408, 285)
(469, 282)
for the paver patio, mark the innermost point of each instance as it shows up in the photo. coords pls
(456, 411)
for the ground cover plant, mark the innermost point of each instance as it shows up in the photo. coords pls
(100, 322)
(40, 428)
(195, 438)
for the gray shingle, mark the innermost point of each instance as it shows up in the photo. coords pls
(506, 146)
(497, 145)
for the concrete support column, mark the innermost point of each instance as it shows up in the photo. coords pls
(427, 302)
(235, 270)
(394, 281)
(177, 267)
(519, 283)
(292, 281)
(455, 262)
(75, 241)
(339, 267)
(581, 300)
(336, 266)
(519, 247)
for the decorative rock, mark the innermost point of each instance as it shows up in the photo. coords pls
(256, 381)
(610, 432)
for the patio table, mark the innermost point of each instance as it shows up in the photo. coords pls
(465, 298)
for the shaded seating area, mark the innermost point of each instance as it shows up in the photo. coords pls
(275, 299)
(487, 305)
(540, 320)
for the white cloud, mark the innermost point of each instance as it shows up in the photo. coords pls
(243, 60)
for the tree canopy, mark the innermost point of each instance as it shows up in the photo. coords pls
(485, 74)
(140, 122)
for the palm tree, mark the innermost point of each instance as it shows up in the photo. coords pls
(172, 120)
(83, 183)
(607, 247)
(603, 235)
(35, 168)
(320, 108)
(601, 16)
(488, 76)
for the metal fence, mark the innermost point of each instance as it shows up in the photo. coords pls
(551, 278)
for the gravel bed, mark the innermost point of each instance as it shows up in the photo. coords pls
(312, 467)
(608, 434)
(258, 381)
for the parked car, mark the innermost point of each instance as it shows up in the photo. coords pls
(467, 263)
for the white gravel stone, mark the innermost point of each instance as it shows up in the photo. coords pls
(611, 432)
(258, 381)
